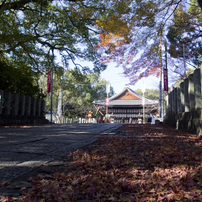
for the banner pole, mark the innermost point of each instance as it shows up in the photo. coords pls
(51, 94)
(160, 78)
(52, 86)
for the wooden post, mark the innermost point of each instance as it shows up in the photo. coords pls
(1, 101)
(186, 96)
(15, 104)
(191, 92)
(197, 89)
(7, 103)
(28, 106)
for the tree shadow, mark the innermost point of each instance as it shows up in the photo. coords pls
(144, 161)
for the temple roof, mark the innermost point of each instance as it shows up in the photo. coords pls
(126, 94)
(127, 97)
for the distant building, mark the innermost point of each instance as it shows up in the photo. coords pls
(127, 104)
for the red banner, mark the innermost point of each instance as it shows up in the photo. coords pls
(49, 82)
(107, 101)
(165, 76)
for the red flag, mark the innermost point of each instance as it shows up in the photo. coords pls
(107, 101)
(165, 74)
(49, 82)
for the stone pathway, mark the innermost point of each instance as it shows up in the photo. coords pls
(13, 189)
(25, 153)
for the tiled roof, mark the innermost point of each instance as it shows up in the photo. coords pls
(124, 89)
(114, 102)
(124, 102)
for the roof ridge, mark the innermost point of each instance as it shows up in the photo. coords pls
(124, 89)
(117, 94)
(140, 96)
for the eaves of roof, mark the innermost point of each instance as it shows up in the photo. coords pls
(125, 102)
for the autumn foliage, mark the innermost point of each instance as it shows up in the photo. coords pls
(137, 164)
(126, 39)
(135, 38)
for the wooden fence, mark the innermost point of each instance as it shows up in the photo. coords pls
(184, 104)
(18, 109)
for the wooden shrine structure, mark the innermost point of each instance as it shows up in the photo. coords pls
(127, 105)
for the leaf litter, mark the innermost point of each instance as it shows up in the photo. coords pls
(149, 164)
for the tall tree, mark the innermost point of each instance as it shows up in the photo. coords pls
(186, 29)
(130, 32)
(32, 30)
(138, 48)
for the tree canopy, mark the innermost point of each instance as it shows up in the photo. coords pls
(137, 47)
(186, 29)
(18, 78)
(128, 32)
(31, 30)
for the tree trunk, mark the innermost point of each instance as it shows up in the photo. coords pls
(59, 112)
(200, 3)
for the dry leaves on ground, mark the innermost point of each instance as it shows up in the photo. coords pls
(148, 164)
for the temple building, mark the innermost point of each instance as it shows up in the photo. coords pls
(127, 105)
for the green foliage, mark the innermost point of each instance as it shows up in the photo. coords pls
(31, 31)
(152, 94)
(17, 79)
(99, 31)
(79, 91)
(181, 79)
(186, 30)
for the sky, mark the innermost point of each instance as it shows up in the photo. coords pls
(117, 80)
